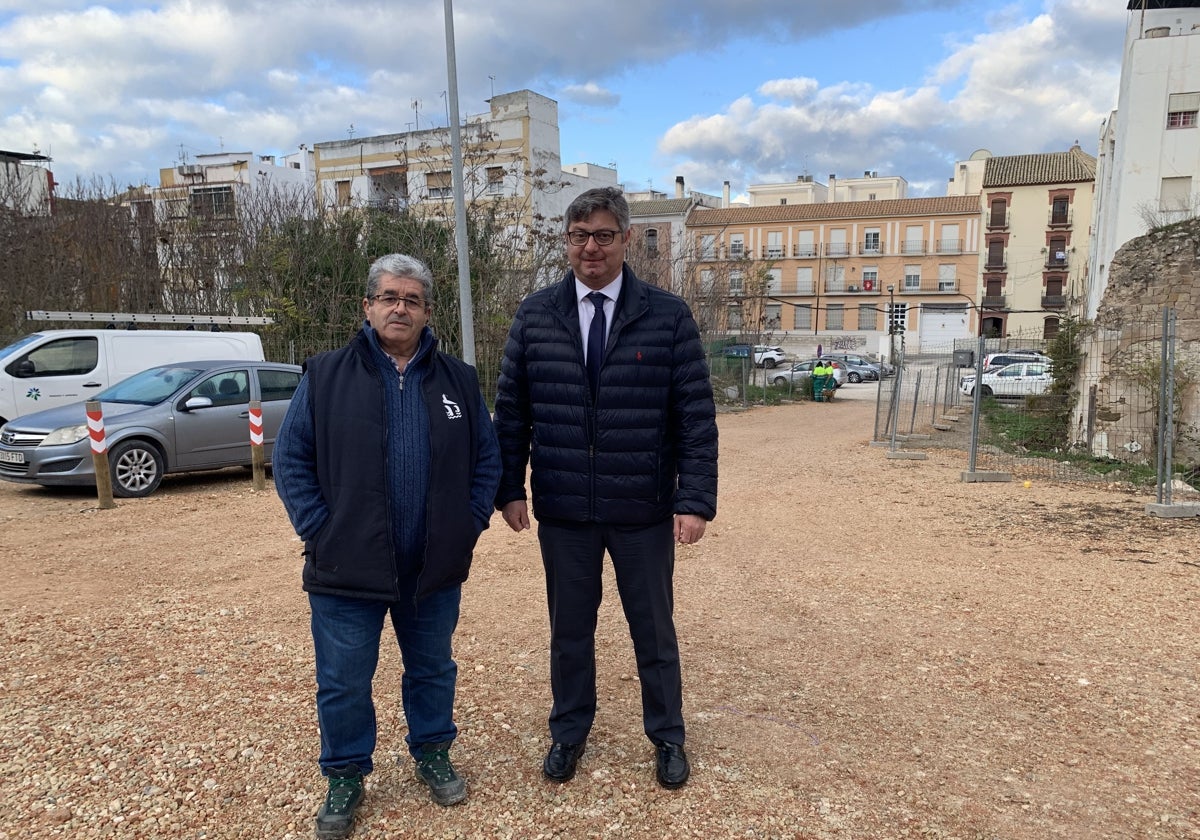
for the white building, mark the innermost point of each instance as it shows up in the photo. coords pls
(213, 185)
(26, 185)
(1149, 154)
(804, 190)
(510, 153)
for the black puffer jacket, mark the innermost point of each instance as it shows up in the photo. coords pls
(646, 449)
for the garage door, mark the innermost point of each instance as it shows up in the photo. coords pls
(941, 324)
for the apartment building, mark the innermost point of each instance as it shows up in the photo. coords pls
(842, 273)
(1149, 153)
(198, 203)
(1036, 219)
(511, 153)
(804, 190)
(26, 183)
(658, 245)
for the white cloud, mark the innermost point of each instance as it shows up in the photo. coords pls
(591, 94)
(123, 86)
(1028, 87)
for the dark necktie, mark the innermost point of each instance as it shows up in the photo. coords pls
(595, 345)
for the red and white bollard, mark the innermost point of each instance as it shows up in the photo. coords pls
(95, 424)
(257, 461)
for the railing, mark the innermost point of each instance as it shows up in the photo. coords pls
(995, 264)
(772, 253)
(998, 221)
(1054, 301)
(1060, 219)
(837, 249)
(950, 246)
(804, 250)
(1056, 262)
(995, 301)
(870, 249)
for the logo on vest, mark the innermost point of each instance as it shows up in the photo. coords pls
(453, 412)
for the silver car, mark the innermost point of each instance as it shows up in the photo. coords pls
(174, 418)
(794, 373)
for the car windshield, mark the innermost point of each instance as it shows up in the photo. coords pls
(149, 387)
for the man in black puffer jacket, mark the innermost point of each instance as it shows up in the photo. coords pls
(604, 391)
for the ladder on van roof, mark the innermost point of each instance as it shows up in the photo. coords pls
(128, 318)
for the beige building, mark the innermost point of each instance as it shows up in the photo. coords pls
(658, 247)
(839, 274)
(1036, 218)
(510, 154)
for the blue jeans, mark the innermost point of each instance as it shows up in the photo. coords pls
(346, 636)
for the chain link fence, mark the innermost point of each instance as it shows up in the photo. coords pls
(1121, 405)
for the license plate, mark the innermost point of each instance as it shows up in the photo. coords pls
(12, 457)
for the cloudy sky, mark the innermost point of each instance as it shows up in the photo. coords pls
(749, 91)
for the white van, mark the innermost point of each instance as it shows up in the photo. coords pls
(55, 367)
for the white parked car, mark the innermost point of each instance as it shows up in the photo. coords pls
(1017, 380)
(768, 357)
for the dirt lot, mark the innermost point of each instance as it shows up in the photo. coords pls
(872, 649)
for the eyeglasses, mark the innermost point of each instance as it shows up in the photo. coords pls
(602, 237)
(388, 301)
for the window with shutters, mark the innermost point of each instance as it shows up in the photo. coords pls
(1182, 109)
(439, 185)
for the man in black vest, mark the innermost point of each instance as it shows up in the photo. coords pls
(604, 391)
(353, 467)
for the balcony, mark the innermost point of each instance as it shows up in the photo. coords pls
(914, 247)
(1056, 261)
(950, 246)
(772, 253)
(736, 252)
(837, 249)
(1054, 301)
(870, 249)
(995, 302)
(998, 221)
(804, 251)
(1060, 218)
(995, 263)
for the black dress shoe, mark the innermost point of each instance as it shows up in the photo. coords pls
(560, 762)
(673, 767)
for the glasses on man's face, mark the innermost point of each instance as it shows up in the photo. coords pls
(389, 301)
(602, 237)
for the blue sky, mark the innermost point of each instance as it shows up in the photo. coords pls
(745, 91)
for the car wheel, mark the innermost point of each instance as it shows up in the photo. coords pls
(769, 363)
(779, 380)
(985, 391)
(854, 377)
(136, 467)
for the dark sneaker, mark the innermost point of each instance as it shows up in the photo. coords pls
(434, 769)
(335, 820)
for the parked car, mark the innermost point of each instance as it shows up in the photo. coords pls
(58, 367)
(1016, 380)
(768, 357)
(168, 419)
(858, 369)
(995, 361)
(797, 371)
(764, 355)
(855, 359)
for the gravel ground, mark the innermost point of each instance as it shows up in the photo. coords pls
(872, 649)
